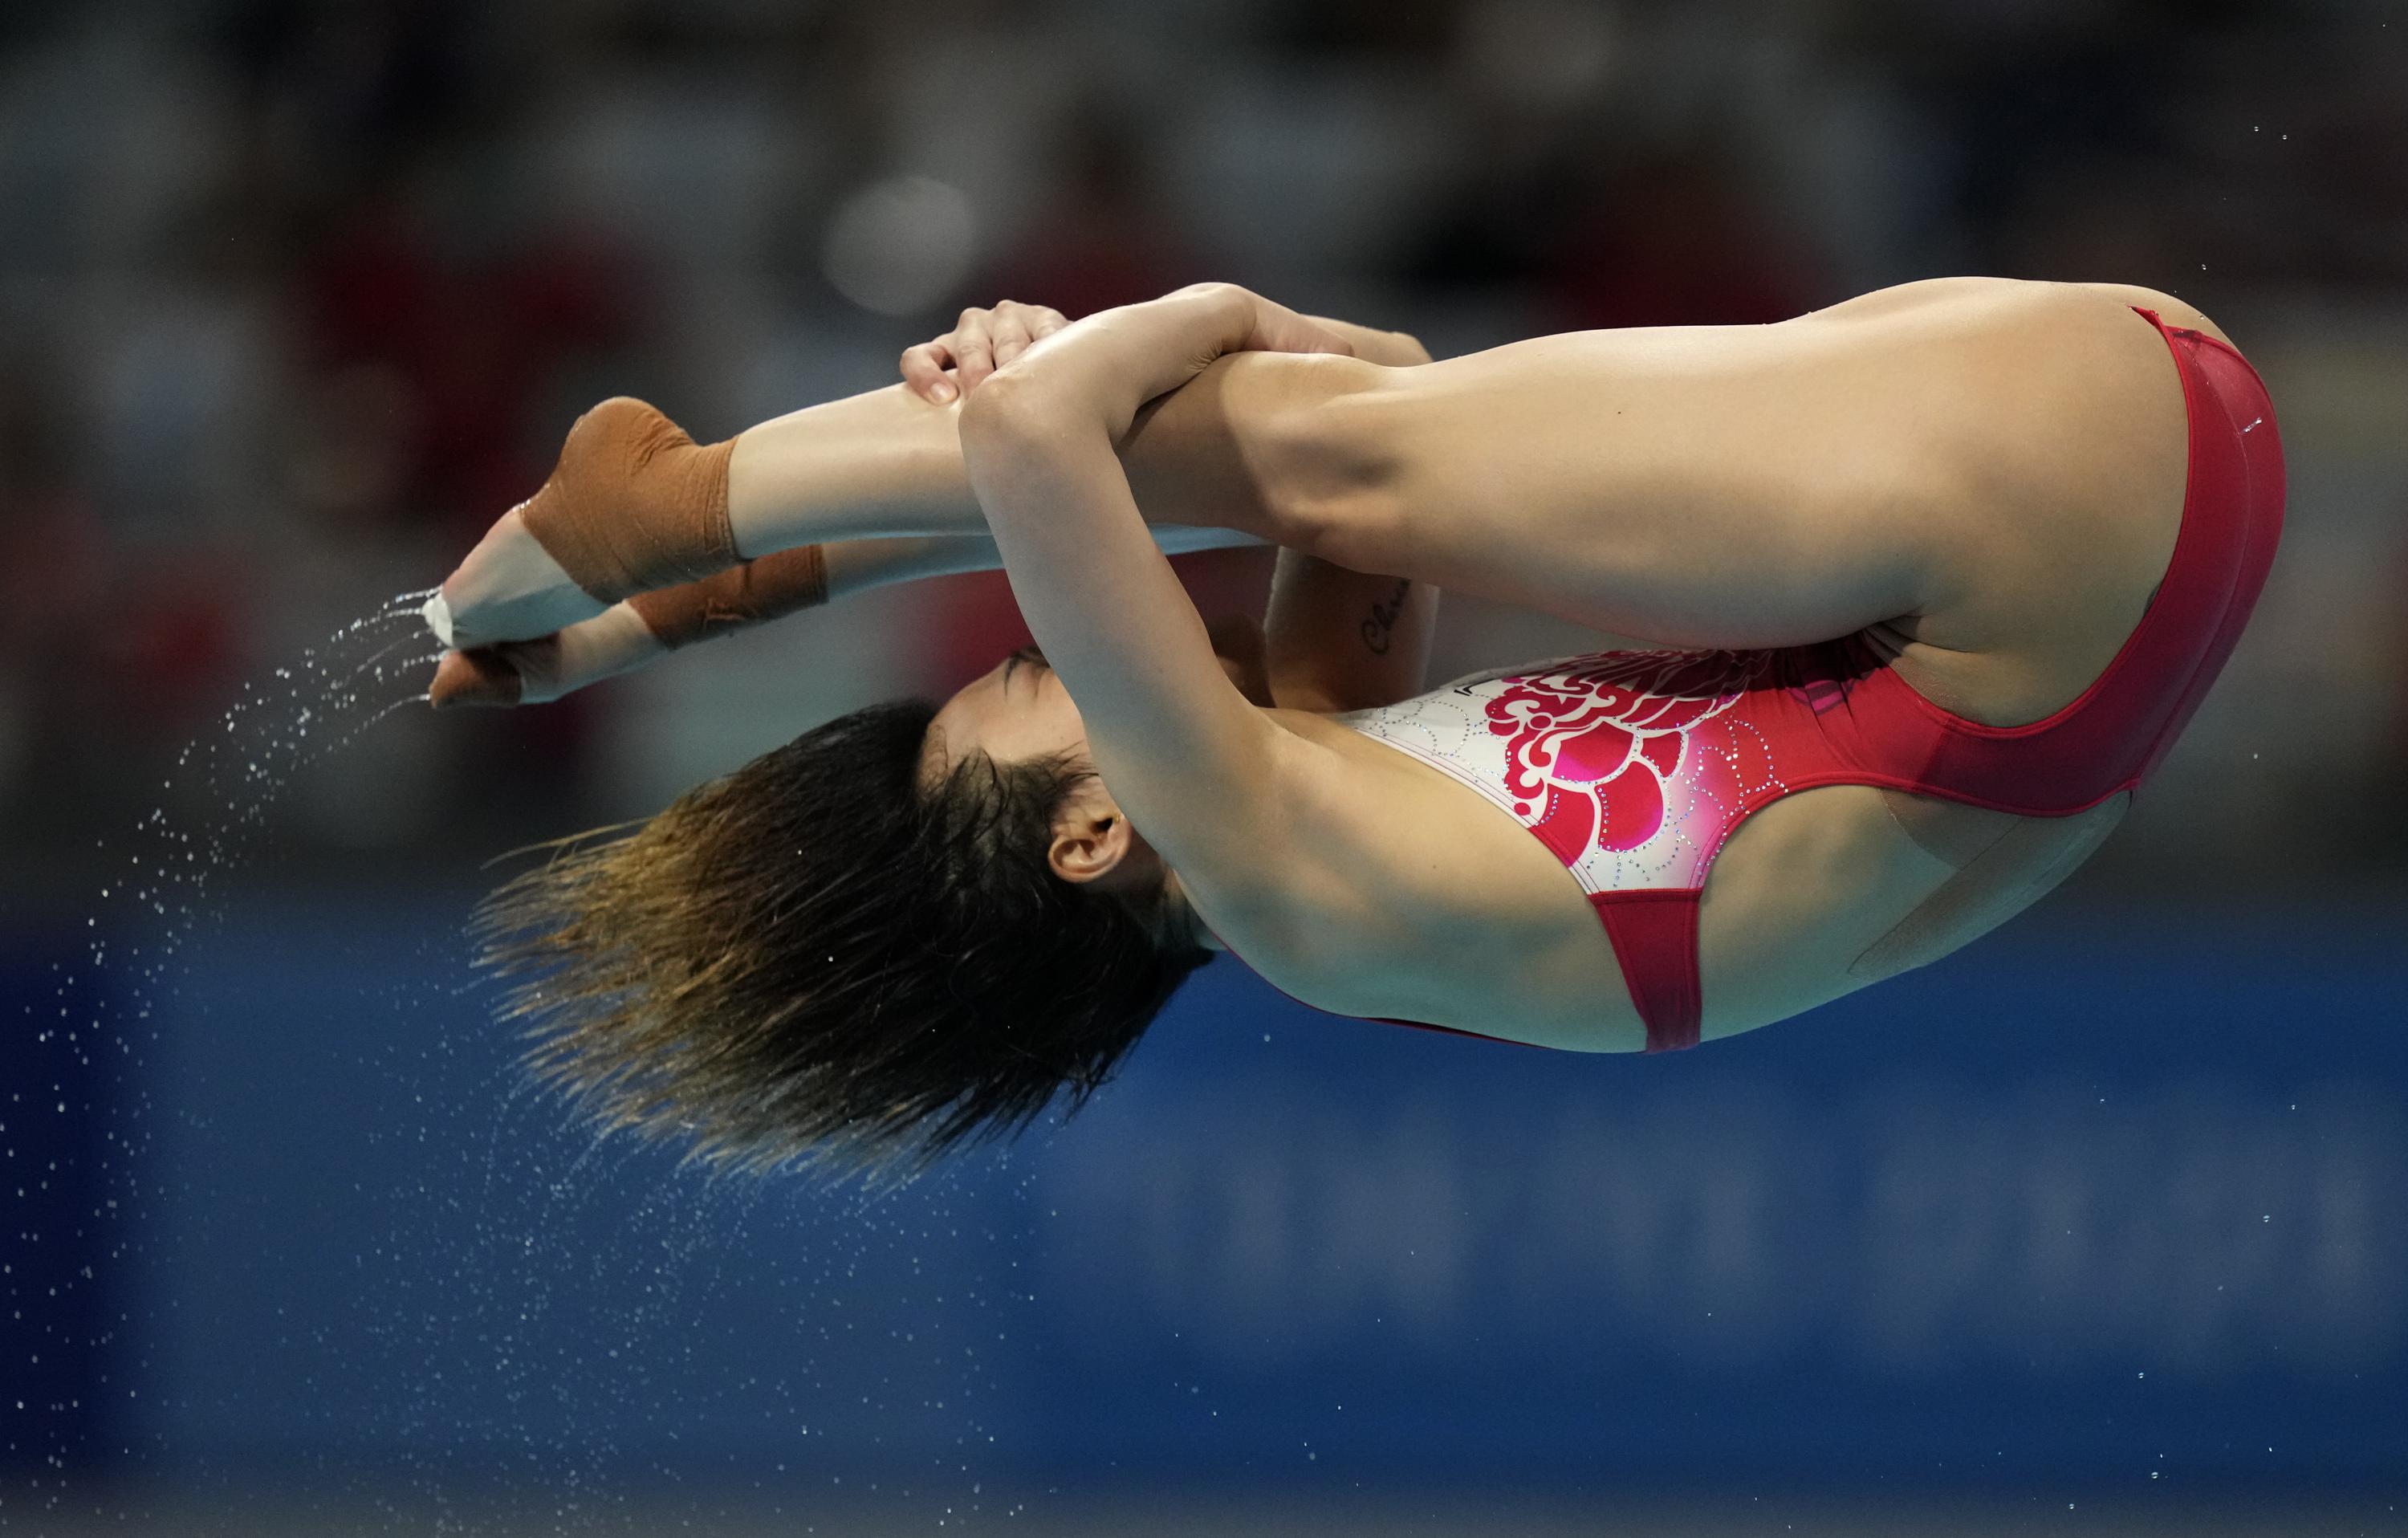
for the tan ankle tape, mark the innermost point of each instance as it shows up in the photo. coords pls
(742, 596)
(634, 504)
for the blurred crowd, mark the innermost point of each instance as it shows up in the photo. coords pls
(296, 298)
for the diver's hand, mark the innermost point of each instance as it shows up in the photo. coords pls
(632, 632)
(1273, 327)
(980, 343)
(1109, 364)
(633, 505)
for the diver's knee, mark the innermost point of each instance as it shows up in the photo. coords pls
(1332, 463)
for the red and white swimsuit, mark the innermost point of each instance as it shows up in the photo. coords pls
(1635, 766)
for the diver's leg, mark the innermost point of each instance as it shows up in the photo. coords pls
(635, 505)
(1919, 454)
(1963, 457)
(1220, 452)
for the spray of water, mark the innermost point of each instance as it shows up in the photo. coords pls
(97, 1025)
(241, 767)
(480, 1263)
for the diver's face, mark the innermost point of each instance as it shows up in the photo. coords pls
(1014, 711)
(1019, 711)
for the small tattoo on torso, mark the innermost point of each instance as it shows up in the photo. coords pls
(1379, 627)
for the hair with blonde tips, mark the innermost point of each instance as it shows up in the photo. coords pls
(820, 960)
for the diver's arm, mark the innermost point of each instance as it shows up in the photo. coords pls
(1336, 640)
(1183, 751)
(1333, 639)
(943, 368)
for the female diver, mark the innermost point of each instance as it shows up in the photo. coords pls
(1944, 570)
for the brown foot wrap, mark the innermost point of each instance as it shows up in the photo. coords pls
(742, 596)
(634, 504)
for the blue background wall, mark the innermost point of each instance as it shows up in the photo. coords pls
(2103, 1202)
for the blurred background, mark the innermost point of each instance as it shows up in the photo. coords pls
(2098, 1226)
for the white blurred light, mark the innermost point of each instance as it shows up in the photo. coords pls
(900, 246)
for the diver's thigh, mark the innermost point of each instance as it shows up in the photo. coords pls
(1707, 486)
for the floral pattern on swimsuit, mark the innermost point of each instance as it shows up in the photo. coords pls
(1632, 767)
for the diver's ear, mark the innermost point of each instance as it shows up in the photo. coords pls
(1089, 844)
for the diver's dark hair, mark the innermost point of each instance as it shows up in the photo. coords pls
(821, 960)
